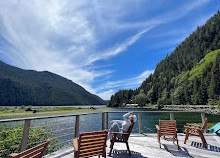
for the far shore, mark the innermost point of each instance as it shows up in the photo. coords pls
(210, 109)
(29, 110)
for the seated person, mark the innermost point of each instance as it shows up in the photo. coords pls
(125, 124)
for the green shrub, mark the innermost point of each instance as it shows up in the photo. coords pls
(22, 107)
(140, 99)
(11, 136)
(29, 108)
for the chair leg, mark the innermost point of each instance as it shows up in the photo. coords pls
(158, 138)
(173, 139)
(203, 139)
(111, 147)
(159, 141)
(112, 144)
(186, 138)
(104, 153)
(128, 148)
(177, 142)
(75, 154)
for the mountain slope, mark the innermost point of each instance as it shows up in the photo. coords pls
(162, 86)
(27, 87)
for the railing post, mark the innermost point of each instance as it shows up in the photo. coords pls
(139, 122)
(171, 116)
(103, 121)
(203, 119)
(24, 140)
(77, 126)
(106, 120)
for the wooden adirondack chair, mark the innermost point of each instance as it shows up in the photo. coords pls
(196, 130)
(124, 139)
(90, 144)
(35, 152)
(167, 128)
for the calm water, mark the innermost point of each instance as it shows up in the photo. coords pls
(64, 127)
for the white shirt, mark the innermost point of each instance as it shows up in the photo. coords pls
(125, 123)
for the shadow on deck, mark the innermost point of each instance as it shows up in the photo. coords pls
(146, 146)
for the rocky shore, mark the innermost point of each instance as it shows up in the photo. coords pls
(192, 108)
(195, 108)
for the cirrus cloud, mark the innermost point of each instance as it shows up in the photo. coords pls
(68, 37)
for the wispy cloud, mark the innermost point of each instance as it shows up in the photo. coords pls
(68, 37)
(122, 46)
(129, 83)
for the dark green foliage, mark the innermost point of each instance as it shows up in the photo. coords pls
(191, 74)
(11, 135)
(25, 87)
(122, 96)
(141, 98)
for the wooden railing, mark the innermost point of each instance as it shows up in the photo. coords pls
(105, 116)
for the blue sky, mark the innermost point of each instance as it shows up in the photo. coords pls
(101, 45)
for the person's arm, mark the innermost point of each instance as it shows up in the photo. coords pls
(125, 116)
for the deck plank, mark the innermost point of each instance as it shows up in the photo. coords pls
(146, 146)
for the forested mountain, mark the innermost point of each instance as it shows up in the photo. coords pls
(27, 87)
(189, 75)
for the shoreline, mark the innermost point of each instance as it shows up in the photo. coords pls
(19, 113)
(204, 109)
(188, 108)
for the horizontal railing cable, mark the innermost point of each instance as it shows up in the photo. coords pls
(57, 116)
(64, 132)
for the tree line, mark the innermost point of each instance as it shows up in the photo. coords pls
(189, 75)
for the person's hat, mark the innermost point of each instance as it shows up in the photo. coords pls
(134, 118)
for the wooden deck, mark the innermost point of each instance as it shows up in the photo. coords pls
(146, 146)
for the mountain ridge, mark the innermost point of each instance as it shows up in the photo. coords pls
(29, 87)
(158, 88)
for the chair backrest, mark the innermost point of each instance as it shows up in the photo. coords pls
(36, 152)
(167, 127)
(129, 131)
(205, 124)
(92, 143)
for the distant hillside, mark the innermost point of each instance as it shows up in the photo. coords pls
(189, 75)
(27, 87)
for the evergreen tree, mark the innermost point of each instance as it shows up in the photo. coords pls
(195, 97)
(177, 70)
(141, 99)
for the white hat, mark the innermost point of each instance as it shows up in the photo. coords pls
(134, 118)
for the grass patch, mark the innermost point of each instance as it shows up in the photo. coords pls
(13, 111)
(209, 125)
(198, 69)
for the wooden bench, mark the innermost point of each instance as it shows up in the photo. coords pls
(196, 130)
(124, 139)
(90, 144)
(167, 128)
(35, 152)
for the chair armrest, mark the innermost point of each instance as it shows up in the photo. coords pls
(189, 124)
(12, 155)
(189, 127)
(120, 133)
(157, 127)
(75, 144)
